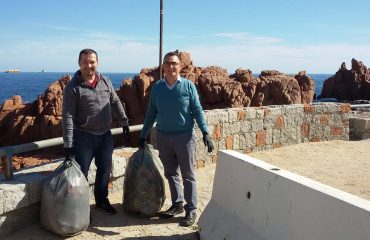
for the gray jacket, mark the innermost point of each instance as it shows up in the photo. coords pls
(89, 109)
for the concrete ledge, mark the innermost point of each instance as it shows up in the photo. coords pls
(20, 199)
(255, 200)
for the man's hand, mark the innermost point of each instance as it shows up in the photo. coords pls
(208, 142)
(141, 142)
(126, 131)
(68, 154)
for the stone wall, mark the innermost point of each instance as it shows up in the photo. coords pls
(262, 128)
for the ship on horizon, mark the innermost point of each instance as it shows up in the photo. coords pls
(11, 71)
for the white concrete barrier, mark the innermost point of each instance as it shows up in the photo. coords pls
(254, 200)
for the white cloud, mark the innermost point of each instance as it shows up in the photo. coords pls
(118, 53)
(288, 59)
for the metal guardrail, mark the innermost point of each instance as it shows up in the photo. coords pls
(9, 151)
(360, 106)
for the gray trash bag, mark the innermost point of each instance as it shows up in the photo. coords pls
(65, 207)
(143, 188)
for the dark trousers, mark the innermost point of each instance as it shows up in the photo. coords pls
(177, 153)
(88, 146)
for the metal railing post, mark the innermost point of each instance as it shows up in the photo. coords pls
(9, 163)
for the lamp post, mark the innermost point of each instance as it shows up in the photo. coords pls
(160, 39)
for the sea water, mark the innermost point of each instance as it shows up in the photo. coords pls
(29, 85)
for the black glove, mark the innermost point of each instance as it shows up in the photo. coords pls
(208, 142)
(126, 131)
(141, 142)
(68, 154)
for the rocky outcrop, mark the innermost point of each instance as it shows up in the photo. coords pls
(34, 121)
(41, 119)
(347, 84)
(218, 89)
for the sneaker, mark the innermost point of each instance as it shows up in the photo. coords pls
(106, 207)
(172, 211)
(189, 219)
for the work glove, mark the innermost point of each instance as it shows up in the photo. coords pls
(208, 142)
(141, 142)
(68, 153)
(126, 131)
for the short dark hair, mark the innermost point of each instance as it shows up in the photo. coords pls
(87, 51)
(170, 54)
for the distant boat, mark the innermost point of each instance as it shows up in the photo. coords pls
(12, 70)
(43, 70)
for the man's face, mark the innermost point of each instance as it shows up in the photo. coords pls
(88, 64)
(171, 66)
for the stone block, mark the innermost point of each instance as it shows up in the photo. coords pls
(276, 135)
(217, 116)
(236, 142)
(360, 123)
(250, 113)
(274, 111)
(233, 114)
(260, 113)
(245, 126)
(257, 125)
(250, 139)
(269, 122)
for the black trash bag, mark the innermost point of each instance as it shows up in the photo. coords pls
(143, 188)
(65, 207)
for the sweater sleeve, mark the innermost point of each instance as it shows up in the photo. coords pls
(68, 114)
(116, 104)
(197, 109)
(150, 115)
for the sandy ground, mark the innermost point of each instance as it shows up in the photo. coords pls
(341, 164)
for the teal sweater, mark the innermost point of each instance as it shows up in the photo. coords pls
(174, 109)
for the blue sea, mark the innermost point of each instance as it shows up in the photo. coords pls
(29, 85)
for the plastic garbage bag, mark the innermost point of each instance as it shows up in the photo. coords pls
(143, 188)
(65, 207)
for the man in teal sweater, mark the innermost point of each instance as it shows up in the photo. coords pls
(174, 104)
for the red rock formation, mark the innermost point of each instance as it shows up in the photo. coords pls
(275, 88)
(34, 121)
(347, 84)
(307, 86)
(41, 119)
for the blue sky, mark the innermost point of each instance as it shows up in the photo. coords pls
(286, 35)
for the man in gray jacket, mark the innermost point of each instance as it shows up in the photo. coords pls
(88, 101)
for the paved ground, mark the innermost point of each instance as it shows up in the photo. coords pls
(123, 226)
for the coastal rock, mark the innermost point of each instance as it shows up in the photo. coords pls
(41, 119)
(347, 84)
(9, 106)
(38, 120)
(143, 83)
(248, 82)
(211, 84)
(275, 88)
(307, 85)
(50, 103)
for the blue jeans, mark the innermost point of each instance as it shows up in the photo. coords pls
(177, 153)
(88, 146)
